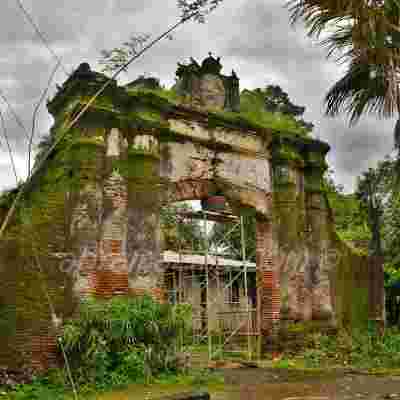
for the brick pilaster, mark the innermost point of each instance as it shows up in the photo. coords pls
(268, 283)
(143, 217)
(111, 274)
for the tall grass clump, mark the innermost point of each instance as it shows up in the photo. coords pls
(124, 340)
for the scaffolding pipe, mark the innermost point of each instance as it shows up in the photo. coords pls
(246, 296)
(204, 332)
(208, 287)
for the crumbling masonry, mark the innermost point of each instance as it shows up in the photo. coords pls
(89, 224)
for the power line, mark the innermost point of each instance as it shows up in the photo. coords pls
(10, 152)
(41, 35)
(14, 114)
(53, 314)
(83, 110)
(35, 113)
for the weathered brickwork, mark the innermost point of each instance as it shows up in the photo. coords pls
(268, 281)
(92, 216)
(44, 351)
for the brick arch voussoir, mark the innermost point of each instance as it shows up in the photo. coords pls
(189, 189)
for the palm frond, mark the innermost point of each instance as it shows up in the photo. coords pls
(318, 14)
(368, 22)
(340, 43)
(359, 91)
(397, 134)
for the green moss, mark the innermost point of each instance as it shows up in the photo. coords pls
(146, 99)
(251, 116)
(137, 166)
(313, 180)
(252, 108)
(166, 135)
(167, 94)
(149, 116)
(89, 142)
(145, 109)
(289, 154)
(351, 286)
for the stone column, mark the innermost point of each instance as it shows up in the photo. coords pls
(111, 277)
(290, 248)
(86, 197)
(143, 231)
(320, 260)
(268, 288)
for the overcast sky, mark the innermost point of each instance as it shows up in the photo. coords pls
(251, 36)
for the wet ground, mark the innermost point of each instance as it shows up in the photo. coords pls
(262, 384)
(265, 384)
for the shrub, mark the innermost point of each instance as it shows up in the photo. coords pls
(125, 339)
(361, 349)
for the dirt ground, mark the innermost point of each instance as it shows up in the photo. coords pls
(273, 384)
(279, 384)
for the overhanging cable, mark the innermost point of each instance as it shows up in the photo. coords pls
(10, 152)
(18, 120)
(53, 314)
(35, 112)
(40, 34)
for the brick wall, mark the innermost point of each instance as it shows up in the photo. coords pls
(268, 282)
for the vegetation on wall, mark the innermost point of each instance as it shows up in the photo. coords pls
(252, 114)
(351, 213)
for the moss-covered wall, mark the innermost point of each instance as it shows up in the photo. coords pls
(351, 288)
(30, 272)
(323, 282)
(90, 216)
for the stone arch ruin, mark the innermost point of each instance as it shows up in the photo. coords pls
(91, 214)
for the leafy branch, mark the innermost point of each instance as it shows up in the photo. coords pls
(117, 58)
(201, 7)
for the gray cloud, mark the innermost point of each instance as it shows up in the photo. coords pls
(277, 53)
(60, 21)
(253, 37)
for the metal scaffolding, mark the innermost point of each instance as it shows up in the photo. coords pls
(215, 286)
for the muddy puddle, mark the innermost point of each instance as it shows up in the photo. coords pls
(263, 384)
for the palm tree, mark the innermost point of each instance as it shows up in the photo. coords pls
(366, 35)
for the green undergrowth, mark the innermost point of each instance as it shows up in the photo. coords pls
(53, 386)
(360, 350)
(117, 342)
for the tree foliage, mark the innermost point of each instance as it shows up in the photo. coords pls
(373, 191)
(227, 237)
(180, 232)
(366, 35)
(276, 100)
(114, 59)
(201, 8)
(371, 214)
(350, 218)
